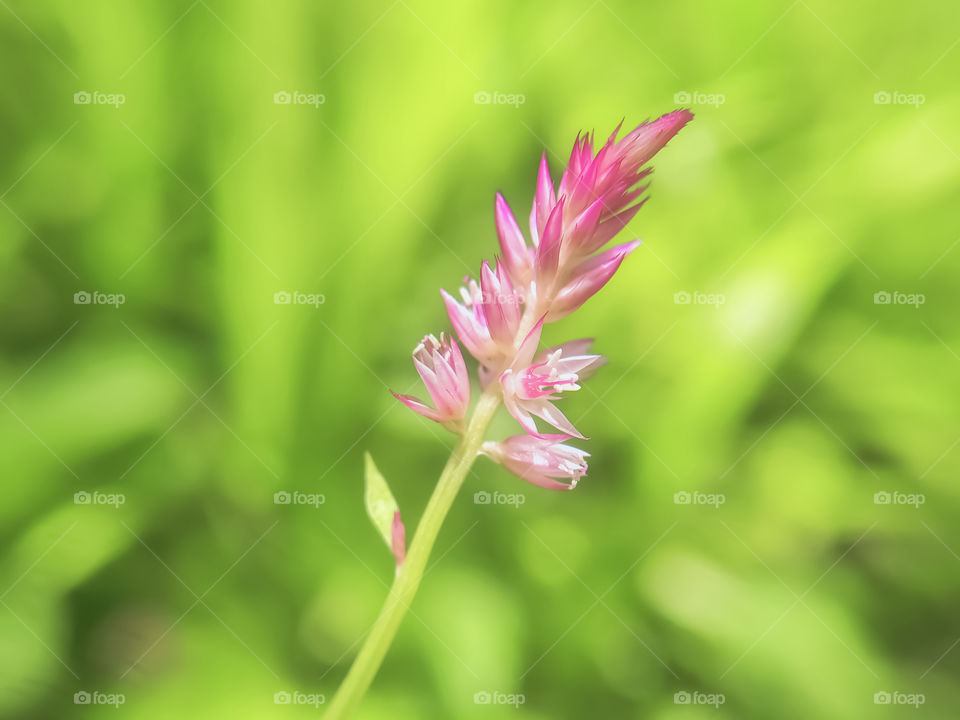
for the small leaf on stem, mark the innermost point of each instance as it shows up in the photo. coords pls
(383, 509)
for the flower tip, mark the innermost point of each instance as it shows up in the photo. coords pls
(673, 122)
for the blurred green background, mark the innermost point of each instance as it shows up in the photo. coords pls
(823, 167)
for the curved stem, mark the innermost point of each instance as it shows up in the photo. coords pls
(408, 577)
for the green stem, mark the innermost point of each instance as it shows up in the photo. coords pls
(408, 577)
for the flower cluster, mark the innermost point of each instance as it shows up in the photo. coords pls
(500, 318)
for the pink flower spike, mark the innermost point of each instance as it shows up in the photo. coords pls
(540, 460)
(601, 190)
(441, 367)
(398, 537)
(517, 256)
(587, 279)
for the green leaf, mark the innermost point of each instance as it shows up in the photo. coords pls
(381, 506)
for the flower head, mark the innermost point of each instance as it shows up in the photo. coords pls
(539, 279)
(598, 194)
(534, 381)
(540, 461)
(441, 367)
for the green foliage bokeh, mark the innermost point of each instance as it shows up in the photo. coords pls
(822, 168)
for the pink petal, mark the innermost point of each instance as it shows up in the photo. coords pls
(528, 348)
(541, 480)
(569, 348)
(500, 308)
(582, 228)
(519, 413)
(419, 407)
(475, 338)
(549, 412)
(588, 278)
(398, 539)
(544, 201)
(611, 227)
(432, 382)
(648, 139)
(548, 252)
(516, 254)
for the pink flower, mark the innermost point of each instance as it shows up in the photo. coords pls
(599, 193)
(531, 385)
(488, 318)
(539, 279)
(601, 188)
(540, 460)
(441, 367)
